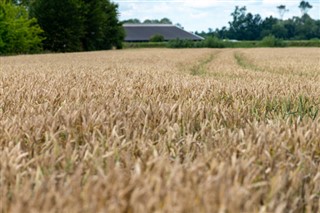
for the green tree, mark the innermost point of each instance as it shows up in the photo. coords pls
(306, 28)
(266, 26)
(76, 25)
(18, 34)
(62, 22)
(149, 21)
(304, 7)
(279, 30)
(236, 25)
(290, 27)
(282, 10)
(102, 27)
(114, 34)
(179, 26)
(244, 26)
(165, 21)
(22, 2)
(132, 21)
(156, 21)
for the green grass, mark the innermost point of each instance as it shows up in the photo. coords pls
(128, 45)
(299, 108)
(245, 63)
(200, 69)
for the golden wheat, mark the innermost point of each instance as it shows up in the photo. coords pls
(161, 130)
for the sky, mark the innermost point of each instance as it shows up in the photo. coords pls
(199, 15)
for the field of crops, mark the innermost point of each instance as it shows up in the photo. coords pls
(161, 130)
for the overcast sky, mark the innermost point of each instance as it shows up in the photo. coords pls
(198, 15)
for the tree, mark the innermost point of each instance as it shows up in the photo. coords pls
(282, 10)
(76, 25)
(223, 33)
(102, 27)
(93, 29)
(179, 26)
(279, 30)
(244, 26)
(156, 21)
(306, 28)
(22, 2)
(148, 21)
(18, 34)
(165, 21)
(253, 26)
(114, 32)
(266, 26)
(62, 22)
(304, 7)
(290, 27)
(236, 25)
(132, 21)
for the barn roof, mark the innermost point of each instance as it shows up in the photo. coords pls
(143, 32)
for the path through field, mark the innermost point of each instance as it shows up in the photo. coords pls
(161, 130)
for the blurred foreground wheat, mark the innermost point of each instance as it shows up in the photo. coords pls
(233, 130)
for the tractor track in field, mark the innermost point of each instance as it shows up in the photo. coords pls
(245, 63)
(230, 63)
(201, 68)
(223, 64)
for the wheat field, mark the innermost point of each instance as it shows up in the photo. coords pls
(161, 130)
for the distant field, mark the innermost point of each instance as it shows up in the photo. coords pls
(161, 130)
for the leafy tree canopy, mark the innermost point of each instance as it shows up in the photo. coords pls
(76, 25)
(304, 7)
(62, 22)
(246, 26)
(18, 33)
(148, 21)
(282, 10)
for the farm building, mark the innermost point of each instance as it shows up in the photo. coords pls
(143, 32)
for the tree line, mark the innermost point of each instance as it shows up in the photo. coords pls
(148, 21)
(28, 26)
(247, 26)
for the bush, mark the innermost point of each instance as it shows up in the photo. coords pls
(156, 38)
(179, 43)
(210, 42)
(271, 41)
(308, 43)
(213, 42)
(127, 45)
